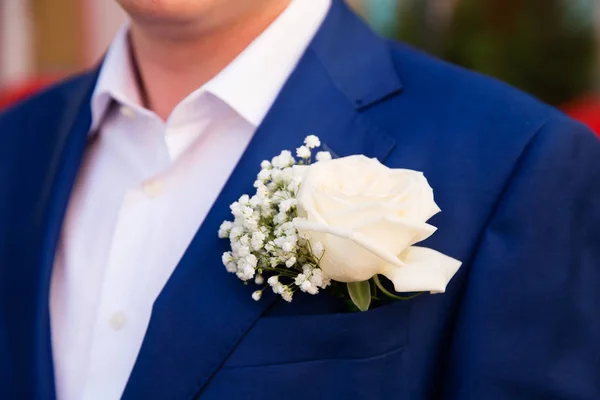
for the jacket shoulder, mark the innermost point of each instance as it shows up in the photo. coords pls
(49, 101)
(448, 90)
(467, 132)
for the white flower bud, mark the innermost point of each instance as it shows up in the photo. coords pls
(283, 160)
(290, 262)
(294, 184)
(317, 277)
(286, 205)
(277, 162)
(264, 174)
(300, 279)
(305, 286)
(278, 288)
(276, 175)
(312, 141)
(257, 295)
(236, 209)
(287, 294)
(258, 239)
(286, 226)
(303, 152)
(244, 200)
(247, 212)
(287, 246)
(231, 267)
(245, 240)
(251, 224)
(252, 260)
(243, 251)
(255, 201)
(248, 272)
(227, 258)
(286, 156)
(280, 218)
(236, 232)
(265, 164)
(259, 280)
(323, 156)
(224, 229)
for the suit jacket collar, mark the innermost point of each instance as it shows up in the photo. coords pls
(357, 61)
(203, 312)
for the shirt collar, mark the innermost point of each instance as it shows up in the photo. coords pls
(249, 84)
(116, 81)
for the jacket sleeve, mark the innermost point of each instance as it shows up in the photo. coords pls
(529, 322)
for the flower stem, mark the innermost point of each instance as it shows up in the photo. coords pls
(374, 290)
(390, 294)
(280, 271)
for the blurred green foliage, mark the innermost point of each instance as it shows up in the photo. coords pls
(539, 46)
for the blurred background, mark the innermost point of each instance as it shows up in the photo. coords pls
(548, 48)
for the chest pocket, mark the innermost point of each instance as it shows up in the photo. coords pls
(350, 356)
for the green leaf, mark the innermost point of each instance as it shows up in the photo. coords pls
(360, 293)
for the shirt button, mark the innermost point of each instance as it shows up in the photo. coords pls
(153, 188)
(127, 112)
(118, 320)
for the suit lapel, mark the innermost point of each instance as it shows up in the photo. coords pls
(203, 312)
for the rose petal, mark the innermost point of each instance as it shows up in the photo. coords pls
(394, 234)
(348, 257)
(348, 172)
(424, 270)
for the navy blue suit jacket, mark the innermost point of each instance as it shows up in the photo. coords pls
(519, 186)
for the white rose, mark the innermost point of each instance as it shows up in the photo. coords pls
(368, 217)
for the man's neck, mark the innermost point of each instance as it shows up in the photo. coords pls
(170, 67)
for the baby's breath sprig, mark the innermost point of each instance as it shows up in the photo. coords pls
(264, 240)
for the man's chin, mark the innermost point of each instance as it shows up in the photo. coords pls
(169, 28)
(172, 23)
(167, 11)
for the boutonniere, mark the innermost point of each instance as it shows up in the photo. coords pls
(336, 224)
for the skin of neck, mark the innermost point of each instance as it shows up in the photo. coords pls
(174, 60)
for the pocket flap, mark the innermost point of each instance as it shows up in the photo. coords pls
(290, 339)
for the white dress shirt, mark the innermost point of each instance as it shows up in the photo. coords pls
(144, 189)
